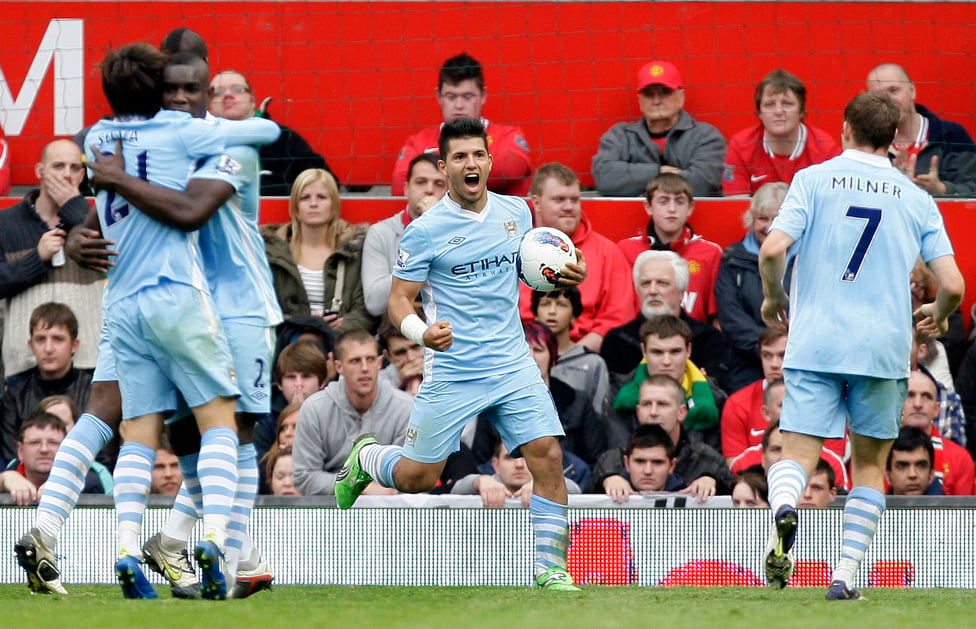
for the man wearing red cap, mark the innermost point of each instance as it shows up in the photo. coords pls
(666, 139)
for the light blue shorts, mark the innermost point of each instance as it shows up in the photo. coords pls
(823, 404)
(252, 348)
(105, 366)
(518, 404)
(167, 339)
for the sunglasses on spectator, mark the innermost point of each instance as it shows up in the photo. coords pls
(233, 89)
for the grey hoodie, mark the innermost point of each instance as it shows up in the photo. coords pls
(328, 425)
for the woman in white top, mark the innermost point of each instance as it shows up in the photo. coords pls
(316, 258)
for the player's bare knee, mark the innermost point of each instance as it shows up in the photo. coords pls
(543, 454)
(413, 477)
(416, 484)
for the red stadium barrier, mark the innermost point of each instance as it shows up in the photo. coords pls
(356, 78)
(892, 574)
(709, 573)
(600, 552)
(719, 220)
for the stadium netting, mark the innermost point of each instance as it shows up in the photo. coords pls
(464, 546)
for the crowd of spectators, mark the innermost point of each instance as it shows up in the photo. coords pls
(659, 364)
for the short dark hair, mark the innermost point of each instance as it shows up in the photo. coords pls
(553, 170)
(41, 419)
(184, 39)
(755, 480)
(661, 380)
(354, 335)
(186, 58)
(782, 82)
(773, 425)
(459, 68)
(768, 393)
(430, 158)
(53, 314)
(538, 333)
(303, 356)
(672, 183)
(571, 293)
(768, 335)
(389, 331)
(460, 128)
(132, 79)
(910, 439)
(665, 326)
(873, 118)
(650, 436)
(823, 467)
(165, 444)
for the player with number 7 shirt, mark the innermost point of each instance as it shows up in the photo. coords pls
(858, 225)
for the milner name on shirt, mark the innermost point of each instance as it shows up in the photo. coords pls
(851, 182)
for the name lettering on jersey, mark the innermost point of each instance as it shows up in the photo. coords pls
(401, 260)
(859, 184)
(485, 264)
(126, 135)
(511, 229)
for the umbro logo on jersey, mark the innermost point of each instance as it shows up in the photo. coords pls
(755, 178)
(457, 240)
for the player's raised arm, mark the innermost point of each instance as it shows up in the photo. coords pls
(254, 130)
(933, 317)
(403, 314)
(772, 267)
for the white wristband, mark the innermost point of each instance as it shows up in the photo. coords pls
(413, 328)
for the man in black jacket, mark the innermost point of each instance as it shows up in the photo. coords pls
(661, 278)
(284, 159)
(938, 155)
(33, 268)
(662, 402)
(54, 341)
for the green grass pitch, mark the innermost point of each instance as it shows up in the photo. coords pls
(102, 607)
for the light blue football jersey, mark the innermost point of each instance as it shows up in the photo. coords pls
(162, 150)
(234, 258)
(466, 262)
(859, 226)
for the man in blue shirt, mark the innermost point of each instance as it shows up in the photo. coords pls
(857, 225)
(461, 256)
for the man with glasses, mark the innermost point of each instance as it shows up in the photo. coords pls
(282, 161)
(461, 93)
(40, 437)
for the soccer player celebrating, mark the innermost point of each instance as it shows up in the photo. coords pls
(239, 278)
(156, 273)
(462, 252)
(858, 226)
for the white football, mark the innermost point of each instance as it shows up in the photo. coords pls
(542, 255)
